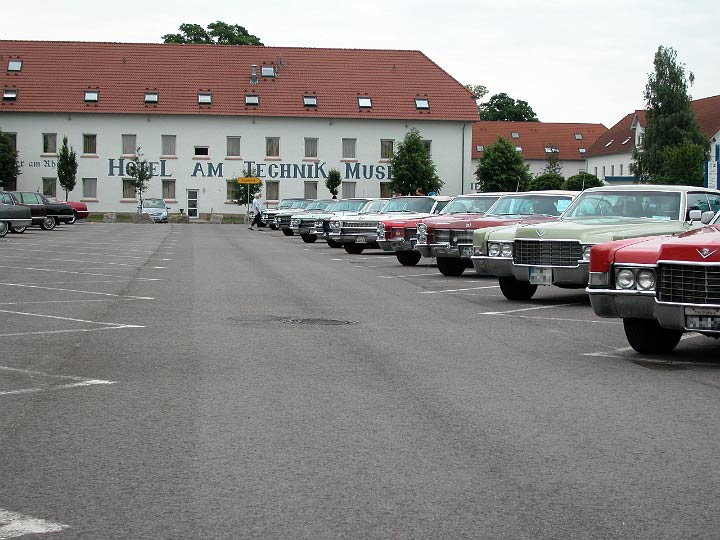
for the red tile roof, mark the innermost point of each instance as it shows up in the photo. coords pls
(535, 137)
(54, 76)
(707, 113)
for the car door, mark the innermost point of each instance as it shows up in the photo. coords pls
(32, 201)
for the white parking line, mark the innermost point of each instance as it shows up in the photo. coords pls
(14, 525)
(124, 256)
(558, 319)
(461, 290)
(529, 308)
(434, 274)
(82, 292)
(76, 273)
(58, 302)
(94, 261)
(614, 353)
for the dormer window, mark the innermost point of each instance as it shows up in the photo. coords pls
(578, 137)
(515, 135)
(422, 104)
(609, 142)
(310, 101)
(204, 98)
(551, 149)
(10, 94)
(518, 148)
(252, 99)
(364, 102)
(581, 150)
(152, 97)
(480, 148)
(626, 140)
(92, 96)
(267, 71)
(14, 65)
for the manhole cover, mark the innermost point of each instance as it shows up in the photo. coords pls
(317, 322)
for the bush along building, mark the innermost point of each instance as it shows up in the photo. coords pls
(200, 116)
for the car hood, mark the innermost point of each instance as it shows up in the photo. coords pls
(404, 216)
(480, 222)
(596, 230)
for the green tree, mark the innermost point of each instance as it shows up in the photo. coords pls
(673, 149)
(244, 193)
(217, 33)
(502, 168)
(503, 107)
(67, 167)
(582, 181)
(333, 181)
(553, 165)
(547, 181)
(140, 173)
(9, 169)
(412, 166)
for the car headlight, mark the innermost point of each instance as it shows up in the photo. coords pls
(646, 280)
(276, 221)
(422, 228)
(318, 224)
(494, 249)
(478, 251)
(336, 224)
(586, 252)
(421, 238)
(506, 250)
(294, 222)
(381, 228)
(625, 279)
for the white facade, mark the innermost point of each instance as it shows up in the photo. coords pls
(290, 174)
(537, 167)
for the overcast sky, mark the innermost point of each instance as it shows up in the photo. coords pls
(572, 61)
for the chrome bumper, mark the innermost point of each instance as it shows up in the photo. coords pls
(492, 266)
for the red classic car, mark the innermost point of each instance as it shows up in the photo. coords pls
(80, 210)
(661, 286)
(399, 233)
(449, 238)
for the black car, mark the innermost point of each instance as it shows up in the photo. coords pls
(43, 212)
(13, 216)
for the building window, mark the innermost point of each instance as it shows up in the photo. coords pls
(386, 148)
(168, 189)
(14, 65)
(428, 146)
(348, 190)
(89, 144)
(92, 96)
(168, 143)
(422, 103)
(272, 190)
(128, 188)
(310, 101)
(612, 170)
(231, 190)
(364, 102)
(349, 147)
(311, 147)
(233, 146)
(50, 187)
(89, 186)
(578, 136)
(10, 94)
(311, 190)
(252, 99)
(272, 146)
(267, 71)
(204, 98)
(129, 144)
(385, 191)
(152, 97)
(603, 172)
(518, 148)
(12, 137)
(515, 135)
(621, 169)
(595, 171)
(49, 143)
(202, 151)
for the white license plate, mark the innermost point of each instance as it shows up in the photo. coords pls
(702, 318)
(540, 276)
(360, 240)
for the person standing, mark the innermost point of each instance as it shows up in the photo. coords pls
(257, 209)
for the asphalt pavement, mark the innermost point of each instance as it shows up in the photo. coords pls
(175, 381)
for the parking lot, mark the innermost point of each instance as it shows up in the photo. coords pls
(206, 381)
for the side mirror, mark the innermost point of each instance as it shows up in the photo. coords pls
(695, 215)
(707, 217)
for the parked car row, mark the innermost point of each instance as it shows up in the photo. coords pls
(22, 209)
(648, 254)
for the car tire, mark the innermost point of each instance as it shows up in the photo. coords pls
(646, 336)
(309, 238)
(17, 230)
(408, 258)
(272, 227)
(74, 218)
(450, 267)
(513, 289)
(333, 243)
(288, 232)
(4, 228)
(48, 223)
(354, 249)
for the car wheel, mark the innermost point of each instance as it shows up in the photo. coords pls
(333, 243)
(74, 218)
(309, 238)
(648, 337)
(4, 228)
(516, 290)
(48, 223)
(272, 227)
(408, 258)
(450, 267)
(17, 230)
(354, 249)
(288, 232)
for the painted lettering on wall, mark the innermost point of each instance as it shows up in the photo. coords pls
(126, 168)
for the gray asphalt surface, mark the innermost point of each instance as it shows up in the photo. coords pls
(210, 382)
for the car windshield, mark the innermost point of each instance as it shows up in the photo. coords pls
(349, 205)
(299, 204)
(318, 205)
(153, 203)
(530, 204)
(286, 203)
(469, 205)
(410, 204)
(663, 206)
(374, 206)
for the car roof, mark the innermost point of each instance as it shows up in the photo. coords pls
(652, 187)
